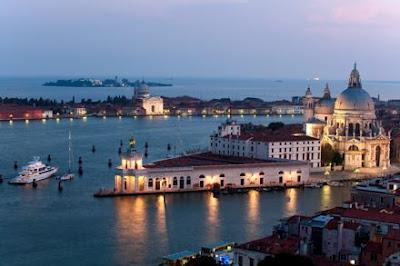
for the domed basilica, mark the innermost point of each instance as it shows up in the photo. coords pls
(348, 126)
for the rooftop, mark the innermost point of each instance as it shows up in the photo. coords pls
(272, 245)
(210, 159)
(372, 214)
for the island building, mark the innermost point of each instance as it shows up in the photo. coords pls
(144, 103)
(11, 112)
(259, 142)
(202, 171)
(348, 126)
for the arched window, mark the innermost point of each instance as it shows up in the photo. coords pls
(201, 176)
(351, 129)
(298, 171)
(222, 175)
(280, 180)
(353, 148)
(358, 129)
(188, 180)
(175, 181)
(242, 174)
(280, 173)
(150, 183)
(261, 173)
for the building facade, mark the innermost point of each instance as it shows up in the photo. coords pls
(144, 103)
(348, 125)
(288, 143)
(203, 171)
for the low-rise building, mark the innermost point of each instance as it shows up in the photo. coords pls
(378, 193)
(203, 171)
(288, 142)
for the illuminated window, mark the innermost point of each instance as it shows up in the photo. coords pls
(175, 181)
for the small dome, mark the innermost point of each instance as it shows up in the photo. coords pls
(142, 91)
(325, 106)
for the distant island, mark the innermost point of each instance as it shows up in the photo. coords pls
(86, 82)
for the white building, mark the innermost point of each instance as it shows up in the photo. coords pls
(145, 104)
(261, 143)
(203, 171)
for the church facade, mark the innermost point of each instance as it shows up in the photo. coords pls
(348, 125)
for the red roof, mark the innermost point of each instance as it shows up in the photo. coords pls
(372, 214)
(208, 159)
(10, 111)
(273, 245)
(293, 132)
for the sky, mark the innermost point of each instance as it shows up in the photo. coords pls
(200, 38)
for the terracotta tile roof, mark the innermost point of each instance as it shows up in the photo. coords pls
(272, 245)
(379, 215)
(210, 159)
(293, 132)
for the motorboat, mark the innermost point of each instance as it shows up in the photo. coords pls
(35, 171)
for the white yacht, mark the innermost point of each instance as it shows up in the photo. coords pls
(36, 171)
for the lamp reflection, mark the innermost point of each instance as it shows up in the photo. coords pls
(326, 196)
(253, 211)
(291, 201)
(131, 231)
(212, 217)
(161, 218)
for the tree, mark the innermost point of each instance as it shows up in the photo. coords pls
(275, 125)
(327, 154)
(202, 261)
(286, 259)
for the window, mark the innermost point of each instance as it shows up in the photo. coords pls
(299, 178)
(280, 173)
(261, 180)
(150, 183)
(175, 181)
(242, 181)
(188, 180)
(222, 175)
(242, 174)
(222, 183)
(201, 176)
(280, 180)
(201, 183)
(261, 173)
(251, 262)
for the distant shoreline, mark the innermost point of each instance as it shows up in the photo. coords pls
(86, 82)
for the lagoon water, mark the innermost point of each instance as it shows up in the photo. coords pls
(45, 227)
(204, 88)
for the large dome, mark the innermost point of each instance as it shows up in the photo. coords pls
(354, 98)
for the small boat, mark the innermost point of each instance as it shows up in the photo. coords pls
(68, 175)
(34, 172)
(313, 185)
(335, 184)
(267, 189)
